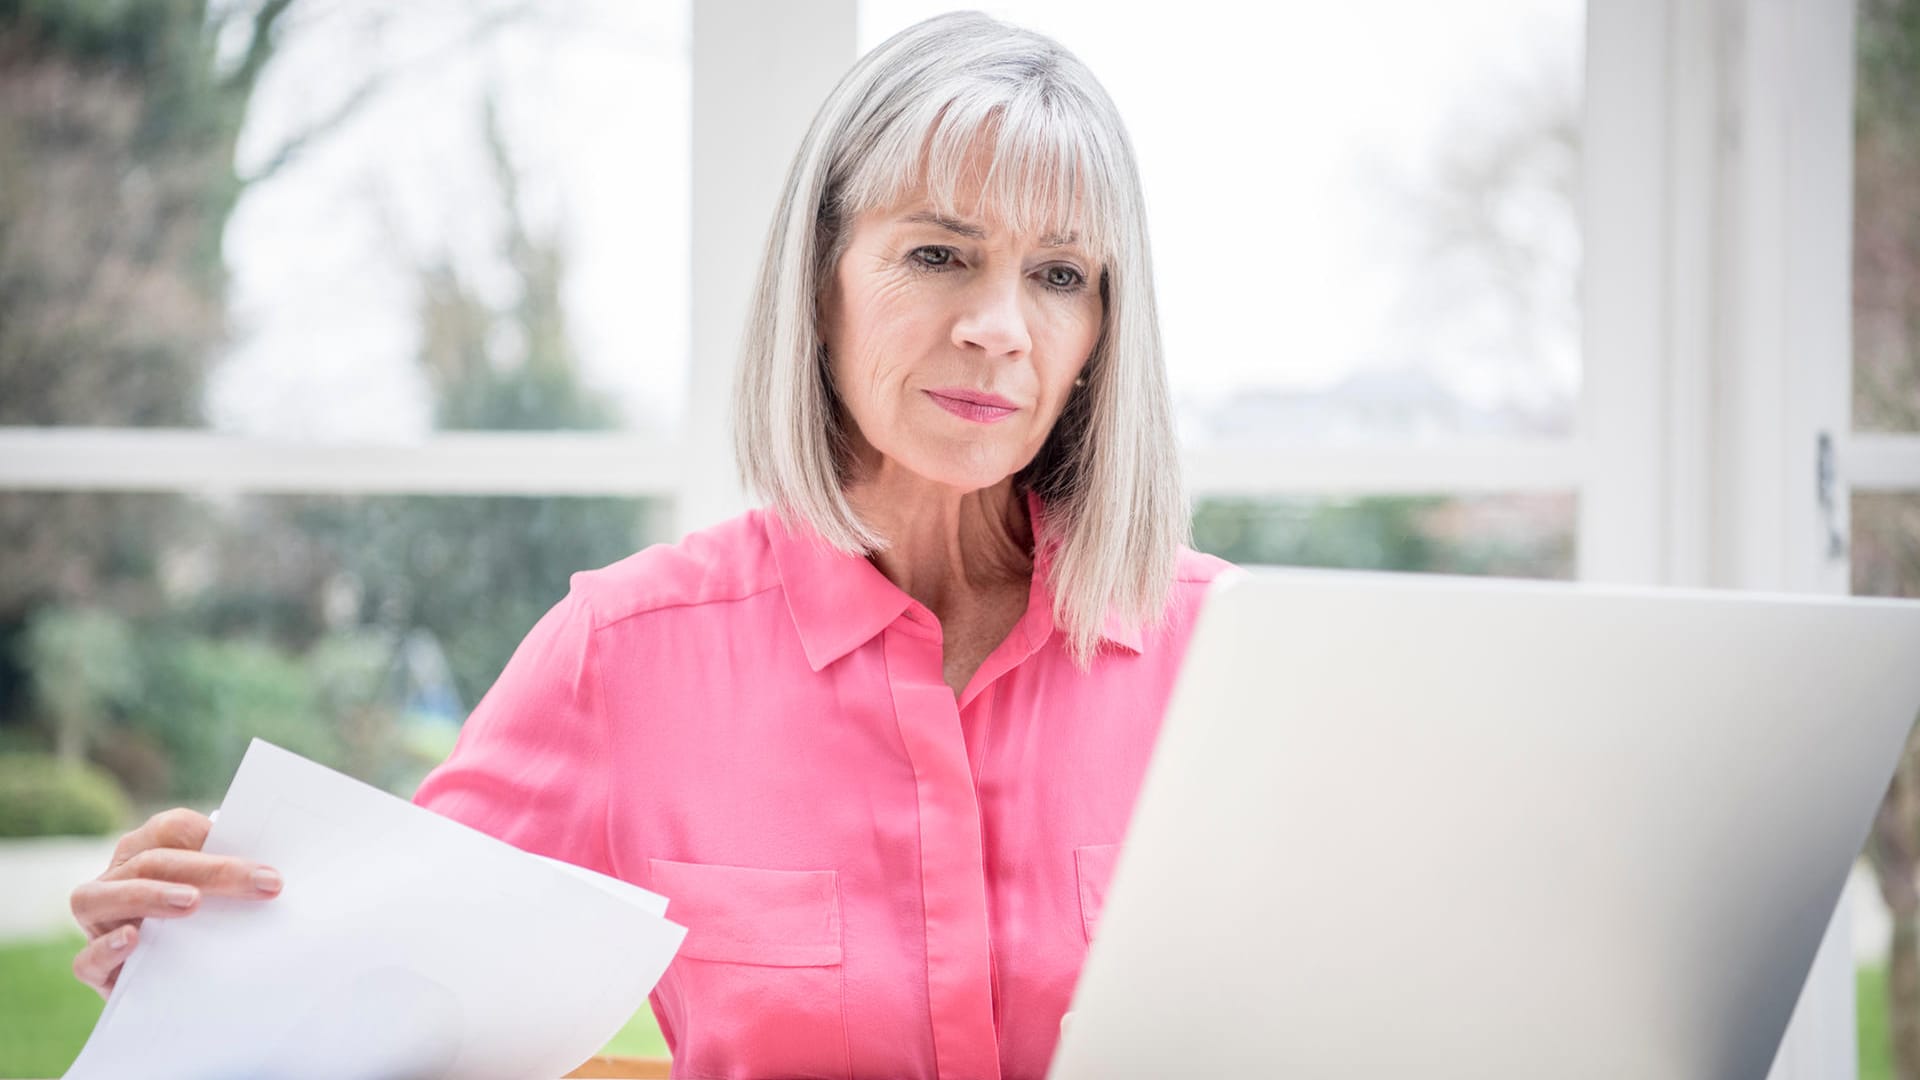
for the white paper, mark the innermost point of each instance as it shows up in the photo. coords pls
(403, 944)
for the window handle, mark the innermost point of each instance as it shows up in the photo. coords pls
(1826, 487)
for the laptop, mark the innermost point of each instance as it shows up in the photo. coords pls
(1402, 825)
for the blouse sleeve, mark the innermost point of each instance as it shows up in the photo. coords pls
(530, 763)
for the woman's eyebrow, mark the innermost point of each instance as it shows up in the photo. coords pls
(952, 225)
(975, 232)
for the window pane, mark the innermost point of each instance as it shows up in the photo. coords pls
(428, 215)
(1886, 544)
(155, 635)
(1507, 536)
(1886, 223)
(1363, 215)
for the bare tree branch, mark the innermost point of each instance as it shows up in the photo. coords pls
(259, 47)
(299, 142)
(306, 137)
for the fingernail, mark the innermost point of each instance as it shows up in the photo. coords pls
(180, 896)
(120, 940)
(266, 881)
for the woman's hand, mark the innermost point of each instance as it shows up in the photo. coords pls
(158, 871)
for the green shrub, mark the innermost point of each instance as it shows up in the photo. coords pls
(80, 668)
(43, 796)
(205, 699)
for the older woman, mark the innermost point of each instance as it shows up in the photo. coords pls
(878, 744)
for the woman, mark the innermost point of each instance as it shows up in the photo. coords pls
(877, 745)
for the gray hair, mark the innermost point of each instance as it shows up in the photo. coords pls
(906, 115)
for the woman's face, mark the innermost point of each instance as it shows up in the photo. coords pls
(954, 344)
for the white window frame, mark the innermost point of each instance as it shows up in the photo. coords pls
(1716, 346)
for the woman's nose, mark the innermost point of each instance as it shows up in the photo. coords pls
(994, 319)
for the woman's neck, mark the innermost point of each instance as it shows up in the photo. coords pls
(953, 551)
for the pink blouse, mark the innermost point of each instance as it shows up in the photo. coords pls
(877, 879)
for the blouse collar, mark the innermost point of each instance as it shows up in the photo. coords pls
(840, 602)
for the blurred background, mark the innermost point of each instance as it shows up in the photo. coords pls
(335, 334)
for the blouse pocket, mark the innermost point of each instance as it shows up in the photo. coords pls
(756, 989)
(1093, 868)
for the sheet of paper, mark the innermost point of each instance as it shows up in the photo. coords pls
(402, 945)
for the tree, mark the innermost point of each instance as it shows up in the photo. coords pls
(1886, 233)
(478, 572)
(119, 122)
(473, 573)
(117, 129)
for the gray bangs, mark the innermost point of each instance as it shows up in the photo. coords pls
(1046, 176)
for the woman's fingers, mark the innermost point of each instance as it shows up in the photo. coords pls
(98, 964)
(219, 875)
(101, 906)
(158, 871)
(176, 828)
(167, 882)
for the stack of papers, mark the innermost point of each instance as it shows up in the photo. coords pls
(403, 945)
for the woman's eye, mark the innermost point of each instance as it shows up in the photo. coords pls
(1064, 278)
(932, 256)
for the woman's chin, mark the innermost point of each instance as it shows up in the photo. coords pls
(958, 474)
(965, 465)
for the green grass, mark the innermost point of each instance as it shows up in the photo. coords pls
(1876, 1041)
(640, 1038)
(46, 1014)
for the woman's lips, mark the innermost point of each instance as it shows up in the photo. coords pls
(973, 405)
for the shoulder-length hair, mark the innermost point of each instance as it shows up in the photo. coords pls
(906, 115)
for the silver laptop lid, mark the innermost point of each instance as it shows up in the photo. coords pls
(1414, 826)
